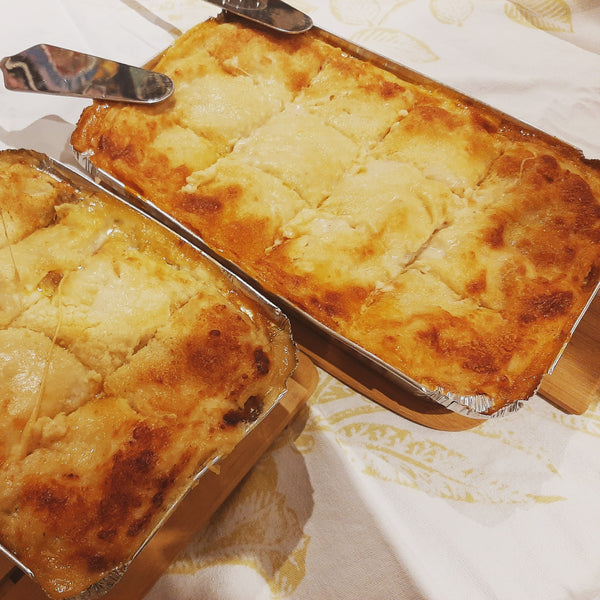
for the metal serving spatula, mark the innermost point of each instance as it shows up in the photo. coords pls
(274, 14)
(53, 70)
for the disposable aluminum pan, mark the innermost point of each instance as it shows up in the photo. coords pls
(473, 406)
(282, 328)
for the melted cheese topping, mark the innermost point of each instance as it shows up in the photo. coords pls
(227, 108)
(532, 232)
(348, 246)
(301, 150)
(128, 361)
(419, 321)
(358, 99)
(235, 205)
(19, 218)
(446, 140)
(427, 229)
(25, 369)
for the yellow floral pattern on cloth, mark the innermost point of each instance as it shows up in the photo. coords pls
(394, 450)
(549, 15)
(379, 23)
(262, 524)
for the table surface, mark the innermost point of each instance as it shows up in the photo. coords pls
(352, 500)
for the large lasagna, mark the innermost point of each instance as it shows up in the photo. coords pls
(420, 226)
(128, 362)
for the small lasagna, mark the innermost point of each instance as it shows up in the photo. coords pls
(128, 362)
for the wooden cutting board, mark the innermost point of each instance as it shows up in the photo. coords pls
(195, 510)
(575, 382)
(573, 386)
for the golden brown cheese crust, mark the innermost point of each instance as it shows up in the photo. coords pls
(127, 361)
(532, 232)
(427, 229)
(420, 321)
(237, 206)
(359, 99)
(448, 141)
(330, 259)
(43, 193)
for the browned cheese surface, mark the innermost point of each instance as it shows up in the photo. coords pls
(127, 361)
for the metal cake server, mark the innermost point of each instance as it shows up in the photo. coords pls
(53, 70)
(274, 14)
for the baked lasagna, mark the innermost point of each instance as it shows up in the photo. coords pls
(426, 229)
(128, 363)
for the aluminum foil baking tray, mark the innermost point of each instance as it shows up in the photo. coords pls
(283, 332)
(472, 406)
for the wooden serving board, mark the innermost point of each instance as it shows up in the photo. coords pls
(195, 510)
(575, 382)
(573, 385)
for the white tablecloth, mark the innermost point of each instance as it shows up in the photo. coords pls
(353, 501)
